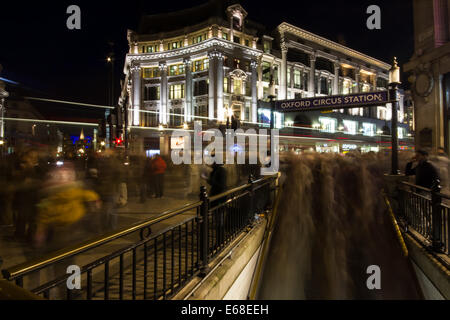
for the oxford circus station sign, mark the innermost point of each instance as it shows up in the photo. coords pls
(333, 102)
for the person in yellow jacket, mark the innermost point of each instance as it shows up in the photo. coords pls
(63, 204)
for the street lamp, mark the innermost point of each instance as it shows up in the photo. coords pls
(394, 82)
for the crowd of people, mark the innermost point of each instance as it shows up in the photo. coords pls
(53, 203)
(43, 199)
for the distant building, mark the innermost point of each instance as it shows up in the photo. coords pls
(18, 131)
(210, 62)
(429, 70)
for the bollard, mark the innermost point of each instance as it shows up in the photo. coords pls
(203, 219)
(436, 217)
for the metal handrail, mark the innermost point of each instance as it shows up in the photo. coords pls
(226, 193)
(442, 195)
(415, 186)
(59, 255)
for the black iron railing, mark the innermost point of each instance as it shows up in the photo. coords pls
(427, 212)
(154, 265)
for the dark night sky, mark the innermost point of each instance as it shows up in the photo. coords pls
(38, 50)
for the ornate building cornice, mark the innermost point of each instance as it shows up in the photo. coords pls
(191, 50)
(288, 28)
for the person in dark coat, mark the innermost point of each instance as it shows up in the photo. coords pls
(426, 174)
(218, 181)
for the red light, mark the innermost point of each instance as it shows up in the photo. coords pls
(118, 141)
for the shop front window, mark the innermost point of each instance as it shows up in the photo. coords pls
(350, 127)
(400, 133)
(369, 129)
(327, 124)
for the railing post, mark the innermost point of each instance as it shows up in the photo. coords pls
(204, 241)
(436, 217)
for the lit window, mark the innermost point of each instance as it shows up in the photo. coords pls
(237, 86)
(346, 87)
(225, 84)
(297, 79)
(266, 71)
(350, 127)
(176, 91)
(328, 124)
(176, 69)
(266, 46)
(369, 129)
(200, 65)
(225, 35)
(400, 133)
(150, 72)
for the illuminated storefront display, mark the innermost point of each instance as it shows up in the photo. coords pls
(369, 129)
(350, 127)
(327, 147)
(328, 124)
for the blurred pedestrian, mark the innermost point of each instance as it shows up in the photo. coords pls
(218, 181)
(108, 177)
(27, 180)
(63, 204)
(426, 174)
(158, 169)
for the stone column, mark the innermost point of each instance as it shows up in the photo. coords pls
(283, 81)
(312, 72)
(373, 110)
(231, 29)
(189, 88)
(319, 84)
(374, 83)
(163, 94)
(291, 84)
(254, 104)
(441, 23)
(213, 97)
(337, 66)
(357, 78)
(260, 84)
(219, 107)
(137, 85)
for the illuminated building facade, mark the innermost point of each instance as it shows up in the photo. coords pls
(210, 62)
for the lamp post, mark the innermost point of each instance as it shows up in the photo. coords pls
(3, 94)
(394, 82)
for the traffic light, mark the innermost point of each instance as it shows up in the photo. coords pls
(118, 142)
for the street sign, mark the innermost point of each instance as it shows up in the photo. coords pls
(365, 99)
